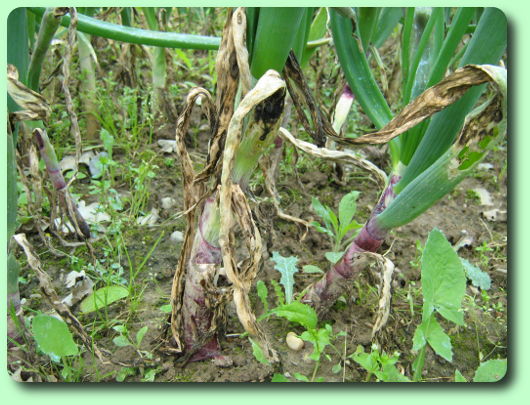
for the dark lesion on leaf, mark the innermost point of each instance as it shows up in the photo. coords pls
(234, 69)
(270, 109)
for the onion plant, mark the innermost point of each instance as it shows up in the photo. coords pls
(157, 55)
(271, 34)
(17, 55)
(432, 157)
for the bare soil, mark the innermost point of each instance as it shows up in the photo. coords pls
(457, 215)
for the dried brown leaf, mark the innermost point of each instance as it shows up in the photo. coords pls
(235, 210)
(340, 156)
(33, 105)
(432, 100)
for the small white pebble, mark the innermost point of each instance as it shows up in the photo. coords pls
(176, 237)
(168, 203)
(294, 342)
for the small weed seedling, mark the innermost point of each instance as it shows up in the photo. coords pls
(124, 339)
(297, 312)
(338, 226)
(380, 364)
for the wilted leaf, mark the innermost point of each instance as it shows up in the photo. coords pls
(33, 105)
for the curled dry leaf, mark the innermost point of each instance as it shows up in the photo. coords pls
(385, 291)
(336, 155)
(196, 192)
(320, 127)
(432, 100)
(79, 284)
(33, 105)
(266, 98)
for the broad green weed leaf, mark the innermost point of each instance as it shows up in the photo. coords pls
(336, 368)
(331, 221)
(165, 308)
(53, 337)
(321, 229)
(491, 371)
(263, 293)
(437, 338)
(279, 378)
(418, 341)
(108, 141)
(300, 377)
(287, 267)
(319, 338)
(120, 328)
(459, 377)
(310, 269)
(258, 353)
(140, 335)
(334, 257)
(103, 297)
(352, 225)
(334, 220)
(297, 312)
(368, 361)
(322, 211)
(150, 375)
(443, 279)
(124, 373)
(347, 208)
(478, 277)
(389, 373)
(121, 341)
